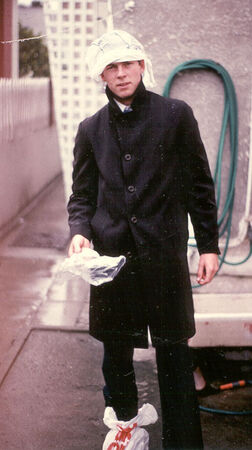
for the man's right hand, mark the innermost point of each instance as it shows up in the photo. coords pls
(77, 243)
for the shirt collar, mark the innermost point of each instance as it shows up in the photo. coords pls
(123, 107)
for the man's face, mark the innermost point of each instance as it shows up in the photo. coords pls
(123, 78)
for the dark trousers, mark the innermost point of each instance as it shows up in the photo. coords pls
(180, 412)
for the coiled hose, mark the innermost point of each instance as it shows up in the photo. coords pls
(230, 120)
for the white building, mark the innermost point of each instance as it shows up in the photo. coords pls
(70, 27)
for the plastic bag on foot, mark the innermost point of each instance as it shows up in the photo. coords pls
(129, 435)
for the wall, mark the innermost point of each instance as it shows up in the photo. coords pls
(177, 31)
(29, 154)
(174, 32)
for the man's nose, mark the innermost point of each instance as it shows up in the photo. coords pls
(121, 71)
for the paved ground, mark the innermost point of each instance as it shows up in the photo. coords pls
(50, 379)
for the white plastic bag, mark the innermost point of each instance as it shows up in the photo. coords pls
(91, 267)
(129, 435)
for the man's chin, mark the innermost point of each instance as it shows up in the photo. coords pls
(124, 97)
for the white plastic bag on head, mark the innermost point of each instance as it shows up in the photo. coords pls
(91, 267)
(128, 435)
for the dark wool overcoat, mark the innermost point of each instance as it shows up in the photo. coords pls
(136, 177)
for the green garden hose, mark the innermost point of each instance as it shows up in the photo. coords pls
(230, 120)
(225, 411)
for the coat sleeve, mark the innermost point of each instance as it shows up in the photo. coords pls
(82, 203)
(198, 185)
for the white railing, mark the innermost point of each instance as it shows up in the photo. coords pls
(25, 106)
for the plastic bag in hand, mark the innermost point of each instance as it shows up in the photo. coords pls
(91, 267)
(128, 435)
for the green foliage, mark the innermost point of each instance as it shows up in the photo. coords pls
(33, 55)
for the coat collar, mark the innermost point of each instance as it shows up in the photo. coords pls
(139, 98)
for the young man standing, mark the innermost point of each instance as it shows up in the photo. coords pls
(139, 168)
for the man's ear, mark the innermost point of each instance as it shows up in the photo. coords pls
(102, 76)
(142, 65)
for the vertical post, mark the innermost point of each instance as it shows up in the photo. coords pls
(51, 104)
(8, 31)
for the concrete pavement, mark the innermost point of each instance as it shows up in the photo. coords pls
(50, 377)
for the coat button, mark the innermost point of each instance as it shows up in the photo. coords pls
(127, 157)
(133, 219)
(131, 189)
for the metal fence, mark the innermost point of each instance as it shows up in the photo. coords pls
(25, 106)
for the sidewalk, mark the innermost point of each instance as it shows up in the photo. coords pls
(50, 377)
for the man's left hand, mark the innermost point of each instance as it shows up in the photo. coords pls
(208, 266)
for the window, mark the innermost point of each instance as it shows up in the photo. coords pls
(65, 17)
(65, 5)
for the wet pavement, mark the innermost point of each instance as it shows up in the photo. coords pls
(50, 377)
